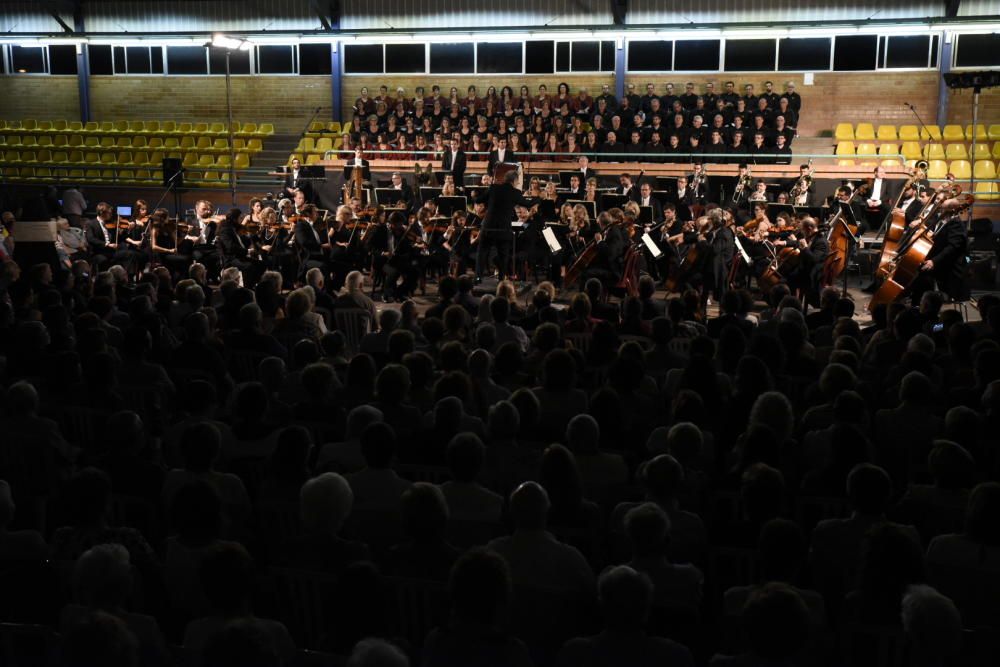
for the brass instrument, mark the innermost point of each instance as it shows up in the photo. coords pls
(800, 190)
(742, 184)
(698, 180)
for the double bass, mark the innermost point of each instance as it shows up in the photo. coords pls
(903, 269)
(897, 220)
(840, 238)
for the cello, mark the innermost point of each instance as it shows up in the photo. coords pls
(904, 268)
(840, 238)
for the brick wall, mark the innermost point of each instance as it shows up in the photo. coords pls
(288, 102)
(960, 106)
(39, 97)
(353, 84)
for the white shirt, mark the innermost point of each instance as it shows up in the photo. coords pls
(645, 201)
(876, 194)
(501, 154)
(104, 230)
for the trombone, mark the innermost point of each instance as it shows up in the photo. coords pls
(742, 184)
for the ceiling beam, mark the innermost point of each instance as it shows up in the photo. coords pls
(951, 8)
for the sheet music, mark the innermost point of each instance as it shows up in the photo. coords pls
(550, 238)
(651, 245)
(743, 252)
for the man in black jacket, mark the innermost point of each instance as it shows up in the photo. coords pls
(946, 262)
(309, 240)
(496, 232)
(610, 243)
(100, 241)
(454, 160)
(234, 251)
(501, 155)
(813, 249)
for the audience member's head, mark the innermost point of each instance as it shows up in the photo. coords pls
(325, 502)
(775, 622)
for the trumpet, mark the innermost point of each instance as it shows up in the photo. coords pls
(800, 190)
(742, 184)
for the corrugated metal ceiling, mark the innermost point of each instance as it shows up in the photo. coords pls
(680, 12)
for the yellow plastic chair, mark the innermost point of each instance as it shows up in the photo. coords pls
(961, 169)
(75, 157)
(107, 127)
(167, 127)
(60, 140)
(206, 161)
(204, 143)
(313, 159)
(200, 128)
(892, 162)
(845, 148)
(157, 176)
(242, 161)
(315, 128)
(155, 158)
(75, 126)
(255, 145)
(28, 141)
(866, 150)
(248, 129)
(124, 158)
(45, 140)
(44, 126)
(324, 144)
(12, 157)
(937, 169)
(120, 126)
(151, 126)
(187, 143)
(993, 132)
(171, 144)
(107, 143)
(92, 142)
(953, 133)
(60, 157)
(29, 125)
(236, 129)
(982, 151)
(143, 176)
(13, 141)
(217, 128)
(155, 143)
(956, 152)
(864, 132)
(222, 161)
(333, 126)
(987, 192)
(980, 132)
(92, 126)
(306, 145)
(76, 174)
(29, 157)
(846, 163)
(190, 160)
(996, 150)
(136, 126)
(934, 152)
(221, 146)
(185, 128)
(92, 158)
(844, 132)
(240, 145)
(140, 158)
(124, 142)
(984, 169)
(265, 130)
(59, 126)
(108, 159)
(139, 142)
(44, 156)
(930, 132)
(886, 133)
(76, 140)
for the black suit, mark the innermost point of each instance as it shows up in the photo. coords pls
(496, 232)
(456, 165)
(887, 197)
(233, 251)
(811, 261)
(656, 206)
(310, 247)
(295, 181)
(94, 232)
(494, 159)
(951, 243)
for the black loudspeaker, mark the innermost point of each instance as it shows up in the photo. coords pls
(173, 172)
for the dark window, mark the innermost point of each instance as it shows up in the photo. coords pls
(186, 60)
(978, 50)
(156, 59)
(650, 56)
(586, 57)
(811, 53)
(907, 51)
(138, 60)
(100, 59)
(276, 59)
(452, 58)
(62, 60)
(504, 58)
(934, 51)
(750, 55)
(882, 41)
(405, 58)
(854, 52)
(239, 61)
(314, 59)
(696, 54)
(27, 59)
(3, 60)
(562, 56)
(119, 57)
(538, 57)
(363, 59)
(608, 56)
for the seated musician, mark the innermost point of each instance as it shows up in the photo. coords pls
(401, 268)
(646, 198)
(813, 249)
(309, 240)
(574, 187)
(759, 194)
(457, 241)
(406, 194)
(610, 244)
(299, 201)
(342, 254)
(102, 244)
(235, 251)
(200, 239)
(758, 246)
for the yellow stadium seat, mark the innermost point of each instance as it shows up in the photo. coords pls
(248, 129)
(171, 143)
(93, 142)
(136, 126)
(157, 175)
(124, 142)
(107, 142)
(984, 169)
(313, 159)
(982, 151)
(108, 159)
(59, 126)
(75, 126)
(28, 141)
(92, 158)
(937, 169)
(92, 126)
(846, 163)
(866, 150)
(175, 155)
(60, 140)
(29, 125)
(324, 144)
(190, 160)
(155, 158)
(844, 132)
(44, 126)
(138, 142)
(242, 161)
(187, 143)
(980, 132)
(953, 133)
(890, 163)
(996, 150)
(45, 140)
(220, 145)
(333, 126)
(932, 132)
(956, 152)
(223, 161)
(864, 132)
(217, 128)
(13, 140)
(154, 143)
(993, 132)
(151, 126)
(961, 169)
(12, 157)
(306, 145)
(76, 140)
(75, 157)
(265, 130)
(185, 128)
(60, 157)
(255, 146)
(240, 145)
(120, 126)
(167, 127)
(140, 157)
(76, 174)
(125, 158)
(26, 173)
(206, 161)
(845, 148)
(987, 192)
(934, 152)
(92, 175)
(143, 176)
(45, 155)
(28, 157)
(204, 143)
(886, 133)
(200, 128)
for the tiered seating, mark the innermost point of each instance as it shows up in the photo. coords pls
(948, 149)
(319, 138)
(124, 151)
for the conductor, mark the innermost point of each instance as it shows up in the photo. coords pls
(500, 200)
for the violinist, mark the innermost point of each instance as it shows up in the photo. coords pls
(401, 257)
(256, 206)
(199, 241)
(103, 245)
(163, 243)
(340, 237)
(610, 242)
(286, 211)
(804, 272)
(309, 240)
(275, 241)
(133, 240)
(757, 232)
(667, 237)
(458, 242)
(299, 200)
(234, 251)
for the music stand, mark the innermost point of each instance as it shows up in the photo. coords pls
(852, 240)
(610, 200)
(645, 215)
(547, 210)
(388, 196)
(448, 205)
(429, 193)
(564, 177)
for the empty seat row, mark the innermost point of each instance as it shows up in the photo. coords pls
(868, 132)
(187, 143)
(155, 127)
(124, 158)
(912, 150)
(124, 176)
(319, 128)
(321, 145)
